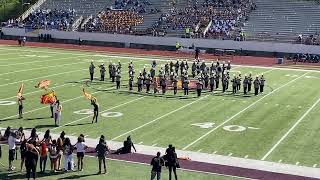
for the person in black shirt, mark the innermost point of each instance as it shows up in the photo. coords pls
(172, 161)
(31, 158)
(102, 150)
(23, 150)
(95, 105)
(156, 163)
(20, 103)
(127, 145)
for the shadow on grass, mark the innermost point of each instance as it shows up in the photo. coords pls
(77, 176)
(22, 175)
(79, 124)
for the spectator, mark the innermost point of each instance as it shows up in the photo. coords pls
(54, 154)
(43, 157)
(31, 155)
(102, 149)
(81, 147)
(67, 152)
(156, 163)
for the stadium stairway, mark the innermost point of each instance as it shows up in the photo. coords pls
(283, 20)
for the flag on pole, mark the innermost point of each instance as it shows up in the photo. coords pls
(86, 94)
(44, 84)
(20, 90)
(48, 98)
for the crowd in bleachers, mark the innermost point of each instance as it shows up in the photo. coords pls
(51, 19)
(226, 16)
(140, 6)
(114, 21)
(305, 58)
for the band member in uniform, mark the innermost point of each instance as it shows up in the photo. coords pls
(256, 83)
(131, 82)
(229, 66)
(166, 69)
(140, 79)
(186, 85)
(163, 84)
(20, 103)
(182, 67)
(245, 84)
(224, 83)
(177, 66)
(155, 86)
(206, 80)
(234, 84)
(95, 105)
(148, 82)
(113, 72)
(212, 81)
(199, 87)
(144, 74)
(118, 79)
(91, 70)
(102, 72)
(249, 82)
(171, 66)
(262, 80)
(119, 65)
(217, 80)
(194, 69)
(175, 85)
(152, 72)
(110, 69)
(186, 65)
(239, 82)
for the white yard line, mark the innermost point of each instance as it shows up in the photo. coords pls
(165, 115)
(43, 77)
(290, 130)
(254, 103)
(46, 67)
(30, 62)
(128, 102)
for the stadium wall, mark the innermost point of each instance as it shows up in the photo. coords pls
(167, 43)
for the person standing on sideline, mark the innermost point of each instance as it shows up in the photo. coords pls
(172, 161)
(118, 79)
(156, 163)
(91, 70)
(95, 105)
(245, 84)
(102, 149)
(20, 103)
(262, 80)
(32, 155)
(199, 87)
(43, 157)
(186, 85)
(12, 140)
(175, 85)
(57, 113)
(67, 152)
(81, 148)
(53, 153)
(249, 82)
(60, 142)
(256, 83)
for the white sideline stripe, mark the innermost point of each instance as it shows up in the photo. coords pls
(41, 77)
(30, 62)
(290, 130)
(99, 112)
(167, 114)
(46, 67)
(254, 103)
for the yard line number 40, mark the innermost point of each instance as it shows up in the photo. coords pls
(230, 128)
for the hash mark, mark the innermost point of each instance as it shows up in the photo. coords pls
(315, 165)
(230, 154)
(280, 161)
(214, 152)
(199, 150)
(246, 156)
(297, 163)
(140, 142)
(153, 145)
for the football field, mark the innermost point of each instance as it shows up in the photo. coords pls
(280, 125)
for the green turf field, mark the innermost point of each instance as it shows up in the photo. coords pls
(281, 124)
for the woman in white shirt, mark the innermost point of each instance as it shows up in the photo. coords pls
(81, 148)
(57, 113)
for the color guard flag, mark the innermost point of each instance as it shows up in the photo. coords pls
(86, 95)
(20, 90)
(44, 84)
(48, 98)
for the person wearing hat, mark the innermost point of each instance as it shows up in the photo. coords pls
(113, 72)
(182, 67)
(217, 76)
(148, 81)
(199, 87)
(256, 83)
(131, 77)
(194, 69)
(245, 84)
(118, 79)
(212, 81)
(152, 72)
(163, 84)
(234, 84)
(175, 85)
(239, 82)
(225, 81)
(229, 66)
(102, 72)
(91, 70)
(166, 69)
(155, 85)
(119, 65)
(250, 82)
(144, 74)
(140, 81)
(186, 85)
(186, 65)
(176, 67)
(171, 66)
(262, 80)
(206, 80)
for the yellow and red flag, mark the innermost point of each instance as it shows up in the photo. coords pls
(44, 84)
(48, 98)
(20, 90)
(86, 94)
